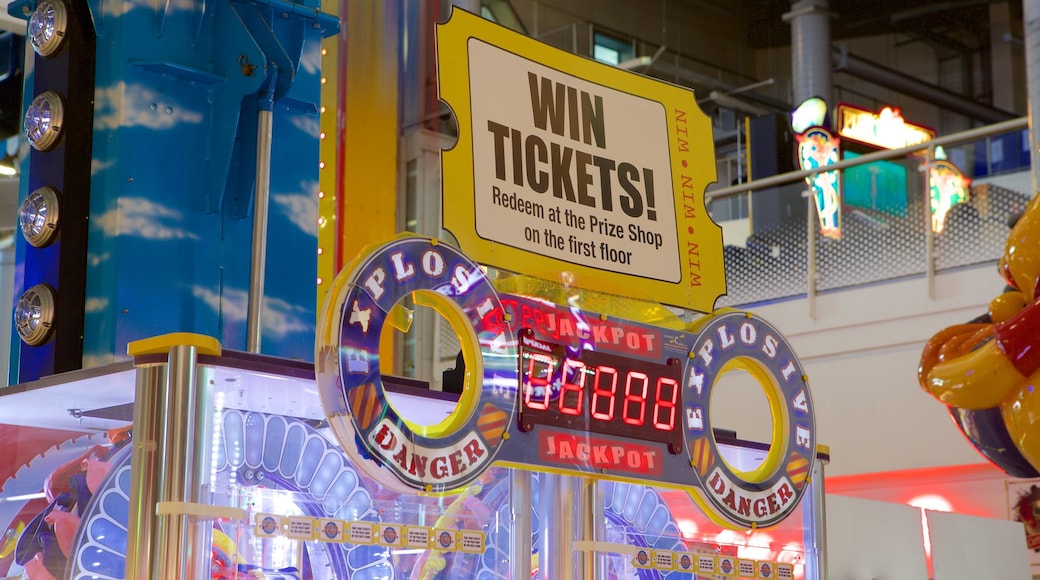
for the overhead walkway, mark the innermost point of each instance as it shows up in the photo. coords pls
(882, 240)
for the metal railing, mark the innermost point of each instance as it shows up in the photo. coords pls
(889, 237)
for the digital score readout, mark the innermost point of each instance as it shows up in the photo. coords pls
(600, 393)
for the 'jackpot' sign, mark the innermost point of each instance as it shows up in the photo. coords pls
(557, 389)
(568, 165)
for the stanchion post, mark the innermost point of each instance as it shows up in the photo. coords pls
(521, 548)
(810, 253)
(556, 555)
(146, 469)
(929, 234)
(814, 522)
(169, 442)
(593, 529)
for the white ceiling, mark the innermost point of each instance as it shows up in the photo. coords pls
(10, 23)
(8, 203)
(9, 185)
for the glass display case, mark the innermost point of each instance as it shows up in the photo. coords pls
(236, 474)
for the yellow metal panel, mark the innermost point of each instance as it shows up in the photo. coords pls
(328, 166)
(162, 344)
(370, 130)
(358, 172)
(358, 176)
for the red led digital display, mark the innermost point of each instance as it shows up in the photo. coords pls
(599, 393)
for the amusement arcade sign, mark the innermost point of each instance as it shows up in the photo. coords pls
(568, 165)
(558, 389)
(583, 169)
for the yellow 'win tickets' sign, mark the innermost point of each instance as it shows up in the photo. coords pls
(567, 165)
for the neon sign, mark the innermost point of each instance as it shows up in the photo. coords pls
(887, 129)
(817, 147)
(947, 187)
(811, 113)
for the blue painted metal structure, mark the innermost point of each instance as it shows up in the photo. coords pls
(61, 266)
(172, 171)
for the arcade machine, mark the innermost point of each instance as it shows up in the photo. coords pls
(568, 453)
(581, 444)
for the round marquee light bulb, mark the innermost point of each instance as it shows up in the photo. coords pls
(47, 27)
(39, 216)
(34, 314)
(43, 120)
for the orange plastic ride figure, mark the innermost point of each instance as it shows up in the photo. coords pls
(996, 365)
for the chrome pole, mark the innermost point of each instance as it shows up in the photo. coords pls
(199, 487)
(146, 469)
(810, 253)
(175, 541)
(557, 494)
(814, 518)
(521, 548)
(258, 258)
(1031, 26)
(929, 235)
(592, 518)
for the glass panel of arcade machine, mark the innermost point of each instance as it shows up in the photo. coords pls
(58, 437)
(310, 512)
(787, 550)
(313, 514)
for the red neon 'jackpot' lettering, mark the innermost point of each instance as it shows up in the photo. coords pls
(598, 393)
(538, 380)
(639, 399)
(571, 367)
(668, 405)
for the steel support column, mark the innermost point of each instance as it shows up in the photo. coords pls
(810, 49)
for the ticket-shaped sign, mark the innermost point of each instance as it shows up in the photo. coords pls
(567, 165)
(558, 389)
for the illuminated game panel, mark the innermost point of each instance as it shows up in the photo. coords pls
(599, 392)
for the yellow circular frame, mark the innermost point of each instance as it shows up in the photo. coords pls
(778, 447)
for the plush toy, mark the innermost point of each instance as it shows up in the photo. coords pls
(993, 367)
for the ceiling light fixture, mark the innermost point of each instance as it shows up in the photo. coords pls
(9, 165)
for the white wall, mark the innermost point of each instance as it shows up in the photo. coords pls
(861, 352)
(870, 539)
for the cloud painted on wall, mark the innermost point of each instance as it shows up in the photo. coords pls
(95, 304)
(307, 124)
(136, 105)
(280, 318)
(95, 260)
(301, 208)
(94, 360)
(310, 60)
(99, 165)
(171, 6)
(143, 218)
(118, 9)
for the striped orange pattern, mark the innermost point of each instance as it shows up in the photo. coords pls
(492, 423)
(797, 468)
(700, 452)
(365, 404)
